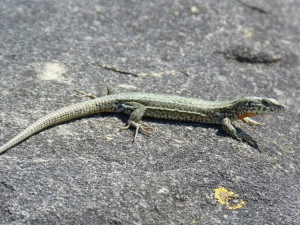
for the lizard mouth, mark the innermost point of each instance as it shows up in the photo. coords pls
(249, 115)
(273, 110)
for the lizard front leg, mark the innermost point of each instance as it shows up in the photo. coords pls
(251, 121)
(136, 111)
(231, 130)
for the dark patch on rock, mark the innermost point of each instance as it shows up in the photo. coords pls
(254, 52)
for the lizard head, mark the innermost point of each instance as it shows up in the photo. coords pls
(252, 106)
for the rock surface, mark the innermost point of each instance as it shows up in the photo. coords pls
(88, 171)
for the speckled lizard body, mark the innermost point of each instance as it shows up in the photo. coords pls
(161, 106)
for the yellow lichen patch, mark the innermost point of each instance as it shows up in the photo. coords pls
(228, 198)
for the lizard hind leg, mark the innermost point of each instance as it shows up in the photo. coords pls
(136, 115)
(82, 94)
(107, 90)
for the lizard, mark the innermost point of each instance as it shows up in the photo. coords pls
(159, 106)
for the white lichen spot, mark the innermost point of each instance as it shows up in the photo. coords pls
(128, 86)
(194, 9)
(249, 32)
(98, 8)
(51, 71)
(160, 74)
(163, 191)
(109, 138)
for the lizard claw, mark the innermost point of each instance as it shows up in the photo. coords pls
(251, 121)
(143, 127)
(243, 136)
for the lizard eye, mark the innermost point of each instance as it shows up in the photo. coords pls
(266, 103)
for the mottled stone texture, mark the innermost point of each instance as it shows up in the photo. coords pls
(88, 171)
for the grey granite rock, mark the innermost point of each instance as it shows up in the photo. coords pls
(88, 171)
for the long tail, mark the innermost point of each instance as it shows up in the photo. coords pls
(62, 115)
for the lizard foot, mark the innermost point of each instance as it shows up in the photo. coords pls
(82, 94)
(143, 127)
(251, 121)
(242, 135)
